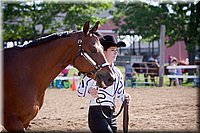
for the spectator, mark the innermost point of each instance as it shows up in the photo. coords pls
(128, 71)
(197, 80)
(179, 72)
(169, 59)
(131, 75)
(65, 72)
(173, 71)
(134, 79)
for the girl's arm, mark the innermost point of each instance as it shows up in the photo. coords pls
(85, 84)
(120, 87)
(121, 94)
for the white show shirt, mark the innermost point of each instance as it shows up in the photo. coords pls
(110, 93)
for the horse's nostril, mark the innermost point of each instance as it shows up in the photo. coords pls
(111, 80)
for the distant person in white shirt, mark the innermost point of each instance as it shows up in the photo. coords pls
(173, 71)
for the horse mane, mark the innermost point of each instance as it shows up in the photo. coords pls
(47, 38)
(53, 36)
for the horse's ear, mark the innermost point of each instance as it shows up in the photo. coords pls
(86, 27)
(95, 26)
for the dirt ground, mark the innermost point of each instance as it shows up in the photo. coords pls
(151, 109)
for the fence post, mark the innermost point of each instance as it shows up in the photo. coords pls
(162, 55)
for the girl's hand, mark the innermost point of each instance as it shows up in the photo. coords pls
(93, 92)
(128, 98)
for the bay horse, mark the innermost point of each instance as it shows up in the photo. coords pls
(28, 71)
(152, 72)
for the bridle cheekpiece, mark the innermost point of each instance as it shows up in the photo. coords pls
(84, 54)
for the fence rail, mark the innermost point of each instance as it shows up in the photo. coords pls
(67, 77)
(194, 67)
(184, 67)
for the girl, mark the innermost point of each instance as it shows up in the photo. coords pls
(104, 98)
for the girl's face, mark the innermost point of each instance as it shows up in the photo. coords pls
(111, 54)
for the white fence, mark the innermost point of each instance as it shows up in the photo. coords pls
(67, 77)
(193, 67)
(140, 81)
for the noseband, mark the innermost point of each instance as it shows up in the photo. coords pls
(84, 54)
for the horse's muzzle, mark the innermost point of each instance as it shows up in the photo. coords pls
(104, 80)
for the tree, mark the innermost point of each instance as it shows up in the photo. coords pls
(21, 19)
(145, 20)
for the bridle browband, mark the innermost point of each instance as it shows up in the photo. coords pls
(84, 54)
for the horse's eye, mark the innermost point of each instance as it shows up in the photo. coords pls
(94, 50)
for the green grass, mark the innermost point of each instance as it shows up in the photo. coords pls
(72, 72)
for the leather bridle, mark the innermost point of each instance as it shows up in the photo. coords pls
(85, 55)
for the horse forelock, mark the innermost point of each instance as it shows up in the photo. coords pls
(96, 34)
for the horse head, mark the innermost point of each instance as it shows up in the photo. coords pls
(90, 59)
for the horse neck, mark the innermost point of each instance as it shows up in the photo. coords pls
(53, 57)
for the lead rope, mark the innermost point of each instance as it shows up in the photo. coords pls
(99, 102)
(123, 106)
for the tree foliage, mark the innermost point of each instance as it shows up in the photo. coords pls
(139, 20)
(145, 20)
(21, 19)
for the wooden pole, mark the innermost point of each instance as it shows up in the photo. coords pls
(162, 55)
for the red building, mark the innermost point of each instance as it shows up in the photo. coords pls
(178, 50)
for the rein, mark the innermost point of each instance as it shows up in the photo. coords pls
(84, 54)
(123, 106)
